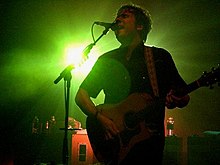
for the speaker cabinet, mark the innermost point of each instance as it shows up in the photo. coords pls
(172, 151)
(82, 153)
(203, 150)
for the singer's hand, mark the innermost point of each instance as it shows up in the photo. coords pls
(109, 126)
(173, 101)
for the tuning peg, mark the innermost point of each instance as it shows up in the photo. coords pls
(205, 72)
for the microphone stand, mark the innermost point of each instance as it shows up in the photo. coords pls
(103, 33)
(66, 75)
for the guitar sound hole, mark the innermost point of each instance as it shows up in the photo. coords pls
(130, 120)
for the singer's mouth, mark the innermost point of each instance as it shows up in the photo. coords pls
(120, 27)
(118, 30)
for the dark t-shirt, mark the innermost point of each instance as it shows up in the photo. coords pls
(118, 78)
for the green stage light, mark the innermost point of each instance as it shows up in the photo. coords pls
(82, 63)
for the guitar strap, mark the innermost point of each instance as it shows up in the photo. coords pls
(148, 53)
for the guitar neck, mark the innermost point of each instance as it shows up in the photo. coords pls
(191, 87)
(207, 79)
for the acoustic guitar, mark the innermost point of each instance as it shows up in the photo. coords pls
(129, 116)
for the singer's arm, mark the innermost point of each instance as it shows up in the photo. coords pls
(83, 100)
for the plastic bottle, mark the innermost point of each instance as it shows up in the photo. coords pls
(170, 126)
(46, 128)
(52, 125)
(36, 126)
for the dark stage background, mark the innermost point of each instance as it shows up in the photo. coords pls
(34, 35)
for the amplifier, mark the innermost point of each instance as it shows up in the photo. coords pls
(173, 150)
(82, 153)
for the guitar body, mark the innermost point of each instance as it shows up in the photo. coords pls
(130, 132)
(129, 116)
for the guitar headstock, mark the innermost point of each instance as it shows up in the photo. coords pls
(210, 78)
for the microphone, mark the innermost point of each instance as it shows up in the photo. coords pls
(64, 73)
(114, 26)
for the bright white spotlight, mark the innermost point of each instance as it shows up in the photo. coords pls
(74, 55)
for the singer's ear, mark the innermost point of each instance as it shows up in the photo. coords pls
(139, 27)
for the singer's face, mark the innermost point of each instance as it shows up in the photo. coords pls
(127, 24)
